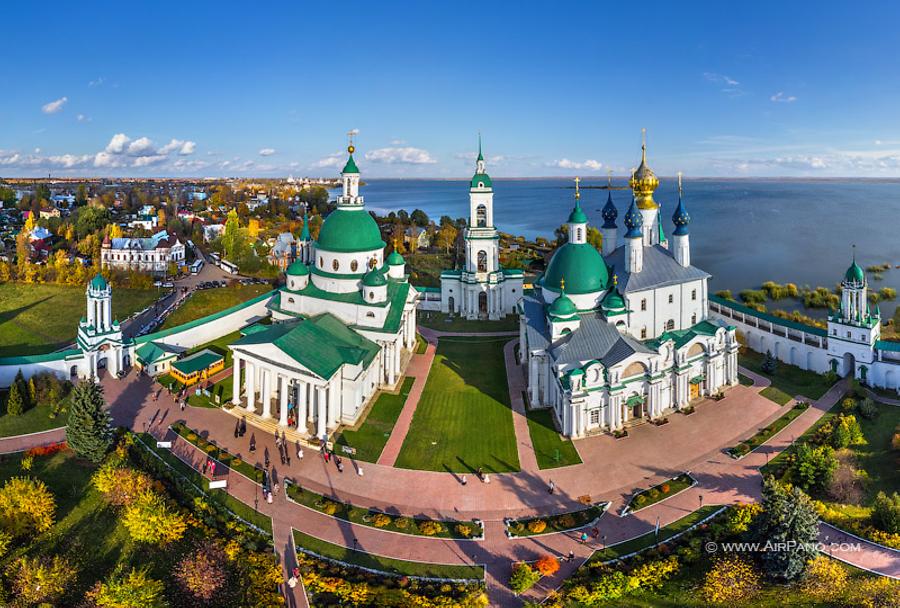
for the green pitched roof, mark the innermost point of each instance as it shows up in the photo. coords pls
(349, 231)
(683, 336)
(580, 265)
(197, 362)
(321, 344)
(151, 352)
(350, 167)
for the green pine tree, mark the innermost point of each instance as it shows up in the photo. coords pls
(15, 403)
(89, 430)
(32, 392)
(770, 363)
(788, 527)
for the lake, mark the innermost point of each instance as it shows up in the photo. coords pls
(743, 232)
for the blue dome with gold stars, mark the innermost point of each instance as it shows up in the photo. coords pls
(633, 221)
(609, 214)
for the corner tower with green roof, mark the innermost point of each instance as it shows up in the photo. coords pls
(482, 289)
(99, 335)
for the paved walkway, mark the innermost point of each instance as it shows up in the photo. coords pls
(20, 443)
(612, 470)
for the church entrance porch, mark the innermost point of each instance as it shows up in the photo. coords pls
(695, 390)
(849, 365)
(482, 304)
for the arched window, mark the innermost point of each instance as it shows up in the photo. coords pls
(481, 215)
(694, 319)
(335, 265)
(370, 314)
(354, 265)
(321, 262)
(580, 233)
(670, 324)
(482, 261)
(371, 295)
(671, 298)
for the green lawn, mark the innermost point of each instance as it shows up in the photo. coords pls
(649, 539)
(37, 319)
(877, 458)
(455, 323)
(369, 439)
(744, 380)
(775, 394)
(463, 420)
(384, 564)
(425, 268)
(788, 378)
(421, 344)
(205, 302)
(550, 449)
(32, 420)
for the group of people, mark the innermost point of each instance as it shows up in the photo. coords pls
(479, 472)
(329, 455)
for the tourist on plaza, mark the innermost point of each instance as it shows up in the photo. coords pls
(212, 468)
(464, 480)
(571, 555)
(340, 464)
(237, 429)
(252, 442)
(243, 426)
(487, 478)
(275, 489)
(299, 452)
(552, 487)
(480, 473)
(584, 537)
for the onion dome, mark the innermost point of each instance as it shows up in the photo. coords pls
(563, 306)
(577, 216)
(610, 214)
(681, 218)
(349, 231)
(395, 259)
(633, 221)
(582, 267)
(298, 269)
(644, 181)
(98, 283)
(855, 274)
(613, 302)
(374, 278)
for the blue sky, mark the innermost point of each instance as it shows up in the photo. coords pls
(206, 89)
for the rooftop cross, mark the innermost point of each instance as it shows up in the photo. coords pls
(644, 145)
(577, 192)
(350, 147)
(679, 184)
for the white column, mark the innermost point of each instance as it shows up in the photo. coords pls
(397, 359)
(250, 383)
(301, 406)
(310, 401)
(283, 401)
(236, 380)
(334, 405)
(389, 360)
(267, 393)
(320, 412)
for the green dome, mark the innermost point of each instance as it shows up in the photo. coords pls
(98, 283)
(855, 273)
(298, 269)
(563, 306)
(613, 301)
(580, 265)
(349, 230)
(481, 180)
(350, 167)
(374, 278)
(395, 259)
(577, 216)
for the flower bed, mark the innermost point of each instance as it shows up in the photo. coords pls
(766, 433)
(535, 526)
(223, 456)
(659, 492)
(415, 526)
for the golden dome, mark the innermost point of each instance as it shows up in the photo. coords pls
(644, 181)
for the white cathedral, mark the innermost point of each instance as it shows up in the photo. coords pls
(620, 337)
(483, 289)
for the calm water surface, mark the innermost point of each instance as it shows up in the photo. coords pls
(743, 232)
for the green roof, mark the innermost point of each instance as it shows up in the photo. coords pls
(350, 167)
(99, 283)
(321, 344)
(348, 231)
(255, 328)
(855, 273)
(563, 306)
(197, 362)
(481, 180)
(60, 355)
(298, 269)
(683, 336)
(395, 259)
(887, 345)
(613, 300)
(151, 352)
(304, 234)
(580, 265)
(577, 216)
(374, 278)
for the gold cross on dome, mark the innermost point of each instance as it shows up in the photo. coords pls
(562, 283)
(350, 147)
(616, 279)
(577, 192)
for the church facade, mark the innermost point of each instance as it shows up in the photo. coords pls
(482, 289)
(613, 338)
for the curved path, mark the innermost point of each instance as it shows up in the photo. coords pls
(650, 454)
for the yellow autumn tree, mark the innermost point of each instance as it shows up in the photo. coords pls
(825, 579)
(730, 580)
(149, 519)
(115, 231)
(26, 506)
(253, 228)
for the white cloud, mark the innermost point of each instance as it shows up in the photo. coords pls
(148, 160)
(397, 142)
(780, 97)
(728, 85)
(183, 148)
(83, 118)
(402, 156)
(332, 160)
(97, 82)
(54, 106)
(267, 152)
(117, 144)
(565, 163)
(143, 146)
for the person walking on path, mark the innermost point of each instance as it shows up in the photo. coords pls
(252, 442)
(299, 452)
(464, 480)
(181, 404)
(552, 488)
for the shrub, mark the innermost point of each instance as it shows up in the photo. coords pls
(380, 520)
(846, 432)
(651, 575)
(149, 519)
(740, 517)
(15, 401)
(641, 499)
(741, 449)
(120, 485)
(27, 462)
(875, 592)
(848, 405)
(430, 528)
(523, 577)
(825, 579)
(191, 437)
(464, 530)
(547, 565)
(730, 580)
(867, 409)
(26, 506)
(133, 590)
(536, 526)
(895, 440)
(814, 466)
(665, 488)
(654, 493)
(201, 573)
(35, 580)
(886, 512)
(402, 523)
(566, 521)
(329, 507)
